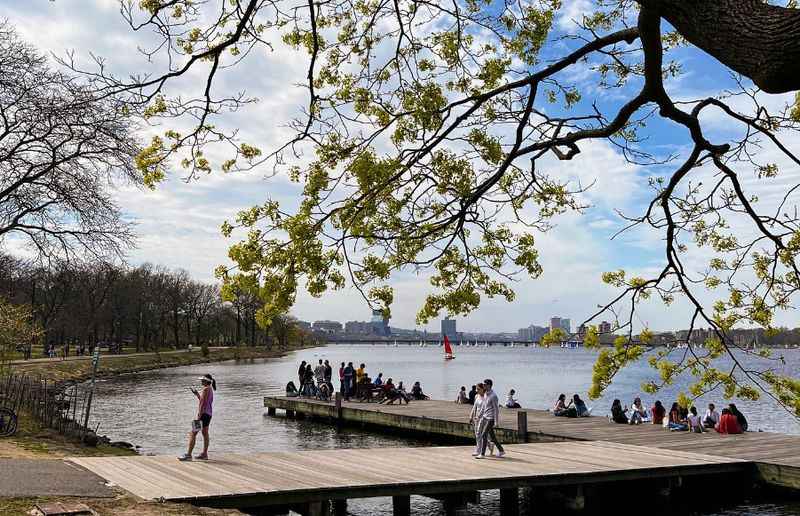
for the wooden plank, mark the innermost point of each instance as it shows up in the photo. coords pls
(383, 471)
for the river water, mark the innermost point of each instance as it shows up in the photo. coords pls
(153, 409)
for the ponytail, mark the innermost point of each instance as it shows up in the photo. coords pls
(210, 379)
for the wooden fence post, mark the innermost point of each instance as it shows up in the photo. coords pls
(338, 402)
(522, 426)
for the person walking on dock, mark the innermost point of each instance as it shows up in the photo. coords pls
(490, 412)
(475, 419)
(204, 411)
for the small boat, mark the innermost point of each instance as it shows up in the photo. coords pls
(448, 350)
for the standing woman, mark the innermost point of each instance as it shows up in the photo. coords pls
(475, 420)
(204, 411)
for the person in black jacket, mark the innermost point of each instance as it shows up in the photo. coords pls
(618, 413)
(471, 395)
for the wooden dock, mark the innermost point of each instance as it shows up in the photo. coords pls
(775, 456)
(316, 482)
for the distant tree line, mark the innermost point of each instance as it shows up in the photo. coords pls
(147, 307)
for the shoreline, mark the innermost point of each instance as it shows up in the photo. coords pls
(36, 441)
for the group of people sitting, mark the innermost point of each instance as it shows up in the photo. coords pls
(354, 382)
(731, 421)
(576, 407)
(468, 398)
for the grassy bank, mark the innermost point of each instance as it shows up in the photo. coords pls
(34, 441)
(111, 365)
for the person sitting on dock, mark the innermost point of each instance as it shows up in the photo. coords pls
(711, 418)
(472, 393)
(694, 421)
(658, 412)
(378, 380)
(561, 408)
(416, 392)
(580, 407)
(511, 402)
(462, 399)
(739, 416)
(638, 412)
(397, 394)
(618, 413)
(676, 421)
(728, 424)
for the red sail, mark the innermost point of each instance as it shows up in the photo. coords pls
(447, 349)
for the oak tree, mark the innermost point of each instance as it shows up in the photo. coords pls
(431, 138)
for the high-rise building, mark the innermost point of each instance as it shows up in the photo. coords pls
(380, 323)
(566, 325)
(604, 327)
(449, 328)
(555, 322)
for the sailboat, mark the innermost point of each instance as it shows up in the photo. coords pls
(448, 350)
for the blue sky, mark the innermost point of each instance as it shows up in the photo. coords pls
(178, 224)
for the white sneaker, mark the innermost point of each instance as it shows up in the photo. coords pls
(185, 457)
(501, 454)
(481, 456)
(475, 454)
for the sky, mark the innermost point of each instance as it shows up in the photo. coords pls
(178, 223)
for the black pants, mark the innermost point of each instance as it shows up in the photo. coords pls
(489, 435)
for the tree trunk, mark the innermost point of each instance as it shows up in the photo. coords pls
(757, 40)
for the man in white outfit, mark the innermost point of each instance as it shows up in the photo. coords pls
(490, 410)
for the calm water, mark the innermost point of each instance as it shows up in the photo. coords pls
(153, 409)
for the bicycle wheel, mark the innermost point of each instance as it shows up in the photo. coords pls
(8, 422)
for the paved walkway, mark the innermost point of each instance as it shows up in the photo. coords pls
(49, 477)
(195, 349)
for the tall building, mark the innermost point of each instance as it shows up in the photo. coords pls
(555, 322)
(566, 325)
(604, 327)
(380, 323)
(449, 328)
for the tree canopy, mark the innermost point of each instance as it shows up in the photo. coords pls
(429, 138)
(61, 148)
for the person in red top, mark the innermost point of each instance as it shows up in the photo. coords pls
(728, 424)
(658, 412)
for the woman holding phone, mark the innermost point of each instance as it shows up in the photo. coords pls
(205, 399)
